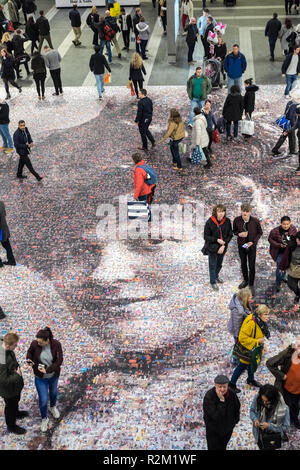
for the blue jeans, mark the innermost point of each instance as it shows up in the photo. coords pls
(279, 275)
(45, 387)
(215, 265)
(103, 43)
(195, 103)
(6, 137)
(239, 370)
(291, 82)
(272, 43)
(100, 83)
(175, 152)
(234, 81)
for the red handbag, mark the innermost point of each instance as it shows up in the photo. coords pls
(216, 137)
(132, 90)
(10, 27)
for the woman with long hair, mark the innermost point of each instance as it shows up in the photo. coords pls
(136, 72)
(286, 29)
(220, 52)
(8, 72)
(175, 133)
(6, 43)
(240, 308)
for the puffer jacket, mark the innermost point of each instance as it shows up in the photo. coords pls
(199, 133)
(237, 315)
(280, 364)
(11, 383)
(143, 30)
(249, 334)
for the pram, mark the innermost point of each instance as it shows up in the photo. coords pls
(212, 69)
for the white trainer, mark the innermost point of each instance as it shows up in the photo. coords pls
(54, 411)
(44, 425)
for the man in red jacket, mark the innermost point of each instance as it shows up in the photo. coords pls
(142, 190)
(279, 238)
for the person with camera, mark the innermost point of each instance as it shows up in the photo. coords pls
(45, 356)
(23, 144)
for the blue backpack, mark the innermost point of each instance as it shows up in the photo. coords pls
(151, 175)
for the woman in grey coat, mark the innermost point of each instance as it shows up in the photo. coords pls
(240, 308)
(4, 238)
(144, 35)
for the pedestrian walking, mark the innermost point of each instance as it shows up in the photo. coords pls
(249, 97)
(111, 22)
(198, 88)
(248, 231)
(8, 72)
(136, 71)
(8, 145)
(233, 111)
(240, 308)
(52, 60)
(191, 39)
(104, 36)
(272, 30)
(175, 133)
(144, 35)
(44, 30)
(7, 43)
(162, 14)
(125, 21)
(21, 57)
(200, 137)
(23, 144)
(220, 52)
(206, 44)
(75, 18)
(98, 63)
(5, 238)
(45, 356)
(135, 20)
(286, 29)
(144, 119)
(291, 71)
(291, 115)
(290, 263)
(38, 67)
(30, 9)
(186, 12)
(13, 13)
(235, 65)
(285, 367)
(217, 235)
(221, 413)
(32, 32)
(143, 191)
(211, 122)
(93, 16)
(3, 20)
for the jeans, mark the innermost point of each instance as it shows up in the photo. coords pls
(145, 133)
(175, 152)
(279, 275)
(215, 262)
(250, 255)
(195, 102)
(291, 82)
(239, 370)
(6, 137)
(44, 388)
(103, 43)
(100, 83)
(234, 81)
(235, 128)
(272, 42)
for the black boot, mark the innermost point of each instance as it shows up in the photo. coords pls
(208, 159)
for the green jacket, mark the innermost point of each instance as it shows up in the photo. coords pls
(206, 87)
(11, 383)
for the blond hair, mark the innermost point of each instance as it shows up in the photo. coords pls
(244, 295)
(94, 9)
(262, 309)
(5, 38)
(11, 338)
(136, 61)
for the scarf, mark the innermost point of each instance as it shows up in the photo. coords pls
(215, 221)
(262, 325)
(277, 417)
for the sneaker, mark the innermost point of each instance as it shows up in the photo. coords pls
(54, 411)
(3, 148)
(254, 383)
(22, 414)
(234, 388)
(8, 263)
(16, 429)
(178, 169)
(220, 281)
(44, 425)
(243, 284)
(40, 178)
(214, 287)
(8, 150)
(190, 125)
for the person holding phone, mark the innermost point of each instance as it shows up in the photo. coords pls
(45, 356)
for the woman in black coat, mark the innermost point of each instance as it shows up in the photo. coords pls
(93, 17)
(191, 38)
(249, 98)
(39, 73)
(220, 52)
(8, 72)
(136, 72)
(32, 32)
(233, 110)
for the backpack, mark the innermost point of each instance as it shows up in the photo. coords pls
(151, 177)
(109, 33)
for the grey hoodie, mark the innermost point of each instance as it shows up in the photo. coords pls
(144, 31)
(237, 316)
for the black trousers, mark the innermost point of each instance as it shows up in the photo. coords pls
(34, 46)
(293, 402)
(293, 284)
(9, 253)
(11, 409)
(39, 79)
(55, 74)
(17, 67)
(12, 82)
(248, 257)
(217, 441)
(25, 161)
(135, 84)
(292, 142)
(145, 133)
(191, 47)
(288, 6)
(164, 22)
(126, 38)
(210, 135)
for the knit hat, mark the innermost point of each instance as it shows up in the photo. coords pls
(221, 380)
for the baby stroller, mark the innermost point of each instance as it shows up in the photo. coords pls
(212, 69)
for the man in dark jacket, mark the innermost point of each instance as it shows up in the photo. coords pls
(4, 238)
(273, 27)
(23, 143)
(75, 18)
(135, 20)
(235, 65)
(18, 41)
(99, 26)
(279, 238)
(44, 30)
(290, 114)
(11, 383)
(291, 70)
(191, 38)
(126, 25)
(97, 64)
(217, 235)
(206, 45)
(221, 412)
(112, 22)
(8, 145)
(144, 118)
(248, 231)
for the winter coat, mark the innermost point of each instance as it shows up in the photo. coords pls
(34, 353)
(212, 232)
(43, 26)
(75, 18)
(29, 6)
(206, 87)
(275, 240)
(175, 130)
(3, 223)
(38, 65)
(143, 30)
(235, 65)
(249, 98)
(21, 138)
(97, 64)
(249, 334)
(220, 51)
(135, 21)
(8, 69)
(190, 9)
(18, 44)
(8, 45)
(145, 110)
(199, 132)
(273, 27)
(279, 365)
(192, 32)
(254, 230)
(233, 107)
(237, 315)
(4, 113)
(89, 20)
(99, 26)
(283, 35)
(287, 62)
(139, 176)
(11, 383)
(32, 32)
(221, 417)
(13, 11)
(136, 74)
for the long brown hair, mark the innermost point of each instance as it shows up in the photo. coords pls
(175, 116)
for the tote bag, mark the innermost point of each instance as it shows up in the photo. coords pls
(137, 210)
(197, 155)
(247, 127)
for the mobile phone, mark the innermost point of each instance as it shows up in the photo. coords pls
(245, 245)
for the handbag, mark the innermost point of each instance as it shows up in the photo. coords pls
(240, 352)
(247, 127)
(128, 83)
(256, 355)
(107, 78)
(197, 155)
(182, 147)
(270, 440)
(216, 136)
(283, 123)
(137, 210)
(132, 90)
